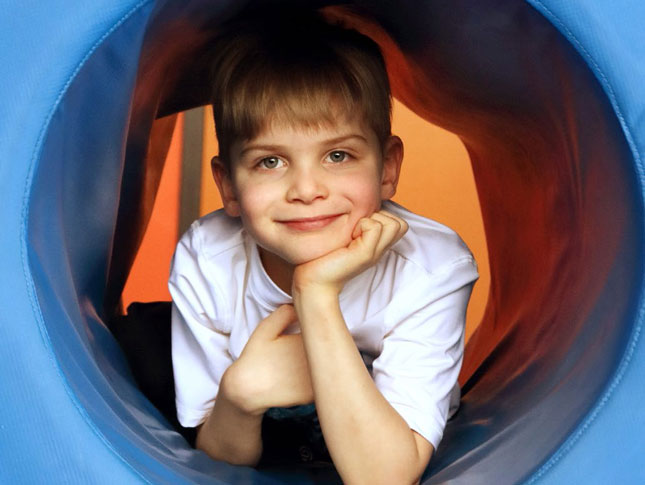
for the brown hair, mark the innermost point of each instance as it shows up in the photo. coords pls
(294, 68)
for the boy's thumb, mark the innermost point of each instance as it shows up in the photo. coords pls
(276, 323)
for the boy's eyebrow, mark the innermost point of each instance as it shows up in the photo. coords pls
(342, 138)
(330, 141)
(265, 148)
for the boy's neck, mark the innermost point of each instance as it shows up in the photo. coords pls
(279, 270)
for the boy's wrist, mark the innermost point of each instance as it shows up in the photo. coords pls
(318, 292)
(315, 304)
(304, 284)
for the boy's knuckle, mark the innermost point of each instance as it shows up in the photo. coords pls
(238, 387)
(393, 226)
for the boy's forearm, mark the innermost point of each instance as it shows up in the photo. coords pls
(367, 439)
(230, 434)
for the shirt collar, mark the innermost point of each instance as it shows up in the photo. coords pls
(260, 284)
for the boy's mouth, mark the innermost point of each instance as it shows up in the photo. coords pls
(310, 223)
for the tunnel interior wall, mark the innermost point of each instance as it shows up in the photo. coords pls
(560, 200)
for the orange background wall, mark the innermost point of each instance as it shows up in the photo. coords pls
(149, 273)
(436, 181)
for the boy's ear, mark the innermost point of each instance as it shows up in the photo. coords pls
(225, 186)
(392, 159)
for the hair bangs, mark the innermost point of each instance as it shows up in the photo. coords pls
(308, 99)
(297, 72)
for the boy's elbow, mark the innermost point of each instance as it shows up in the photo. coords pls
(411, 475)
(403, 476)
(244, 456)
(417, 463)
(405, 472)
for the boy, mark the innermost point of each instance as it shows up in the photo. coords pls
(309, 264)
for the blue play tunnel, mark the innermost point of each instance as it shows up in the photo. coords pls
(547, 96)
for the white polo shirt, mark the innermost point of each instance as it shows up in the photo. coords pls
(407, 312)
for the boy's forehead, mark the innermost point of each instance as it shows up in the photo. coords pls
(342, 125)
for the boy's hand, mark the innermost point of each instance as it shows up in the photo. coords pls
(272, 370)
(372, 236)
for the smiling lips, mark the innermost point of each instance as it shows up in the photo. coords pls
(310, 223)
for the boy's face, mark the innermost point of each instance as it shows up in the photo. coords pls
(300, 191)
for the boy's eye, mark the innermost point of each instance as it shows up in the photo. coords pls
(271, 162)
(337, 156)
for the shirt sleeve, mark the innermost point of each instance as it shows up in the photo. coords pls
(199, 338)
(422, 351)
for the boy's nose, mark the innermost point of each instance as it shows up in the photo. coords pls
(306, 186)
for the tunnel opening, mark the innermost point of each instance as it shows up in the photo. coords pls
(555, 179)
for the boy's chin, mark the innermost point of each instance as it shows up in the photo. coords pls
(312, 255)
(305, 253)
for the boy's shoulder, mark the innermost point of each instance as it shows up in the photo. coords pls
(428, 244)
(214, 234)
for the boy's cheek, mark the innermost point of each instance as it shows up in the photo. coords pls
(254, 201)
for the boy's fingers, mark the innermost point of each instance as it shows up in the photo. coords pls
(358, 228)
(275, 324)
(395, 220)
(369, 232)
(393, 229)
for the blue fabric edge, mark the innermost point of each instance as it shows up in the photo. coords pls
(634, 338)
(35, 304)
